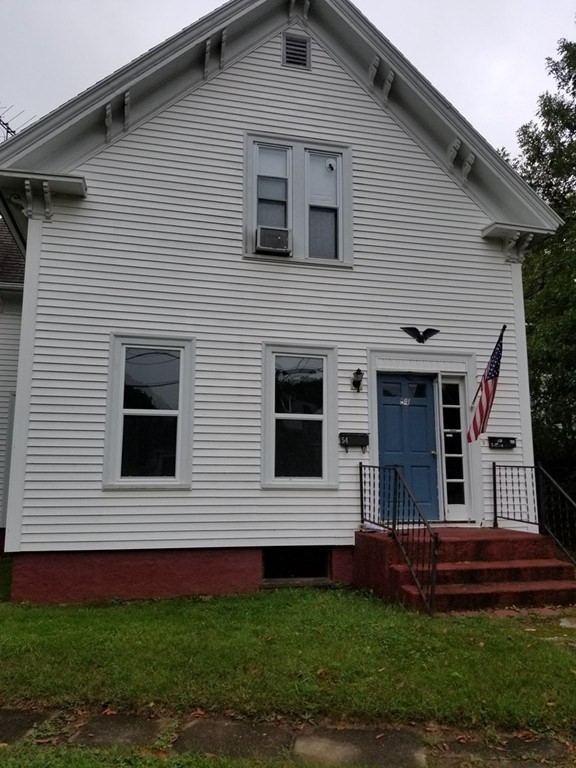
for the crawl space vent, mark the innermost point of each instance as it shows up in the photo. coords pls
(297, 51)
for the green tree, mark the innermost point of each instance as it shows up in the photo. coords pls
(548, 163)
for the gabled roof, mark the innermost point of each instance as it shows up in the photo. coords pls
(58, 142)
(11, 259)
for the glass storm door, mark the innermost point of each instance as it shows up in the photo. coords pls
(407, 435)
(453, 426)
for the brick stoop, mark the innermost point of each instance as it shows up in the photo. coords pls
(478, 568)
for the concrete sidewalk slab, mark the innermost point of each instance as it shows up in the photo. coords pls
(400, 747)
(504, 751)
(16, 723)
(234, 738)
(124, 730)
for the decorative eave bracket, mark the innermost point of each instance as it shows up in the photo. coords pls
(33, 193)
(380, 83)
(516, 240)
(455, 162)
(116, 112)
(209, 49)
(304, 8)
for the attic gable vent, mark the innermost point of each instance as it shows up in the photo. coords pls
(296, 51)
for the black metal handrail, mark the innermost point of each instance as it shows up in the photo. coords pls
(514, 494)
(528, 494)
(387, 502)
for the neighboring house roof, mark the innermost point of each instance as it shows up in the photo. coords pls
(83, 126)
(11, 258)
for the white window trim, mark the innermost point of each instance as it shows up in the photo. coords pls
(113, 437)
(298, 199)
(329, 480)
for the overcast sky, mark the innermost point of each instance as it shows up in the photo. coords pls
(485, 56)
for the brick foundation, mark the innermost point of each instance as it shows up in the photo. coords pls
(375, 553)
(77, 577)
(342, 569)
(81, 577)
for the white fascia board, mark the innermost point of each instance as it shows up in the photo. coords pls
(502, 230)
(144, 67)
(420, 92)
(493, 184)
(15, 181)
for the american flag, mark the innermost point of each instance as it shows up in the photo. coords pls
(487, 391)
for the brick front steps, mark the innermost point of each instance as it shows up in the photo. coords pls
(477, 568)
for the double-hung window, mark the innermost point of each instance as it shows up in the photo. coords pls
(299, 204)
(324, 217)
(148, 428)
(300, 418)
(272, 186)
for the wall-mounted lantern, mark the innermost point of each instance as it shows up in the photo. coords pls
(357, 378)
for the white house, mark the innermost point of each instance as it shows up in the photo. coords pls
(218, 237)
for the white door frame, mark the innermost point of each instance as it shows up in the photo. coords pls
(435, 362)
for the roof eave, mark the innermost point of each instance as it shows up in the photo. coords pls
(413, 101)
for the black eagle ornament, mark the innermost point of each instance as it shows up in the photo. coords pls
(420, 336)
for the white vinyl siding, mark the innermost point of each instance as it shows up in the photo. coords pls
(157, 249)
(10, 316)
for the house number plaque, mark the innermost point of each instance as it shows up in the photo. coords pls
(502, 443)
(354, 440)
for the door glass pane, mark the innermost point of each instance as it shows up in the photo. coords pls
(453, 442)
(299, 384)
(298, 448)
(455, 493)
(417, 390)
(323, 228)
(451, 418)
(323, 178)
(391, 389)
(454, 468)
(272, 161)
(152, 378)
(149, 446)
(450, 394)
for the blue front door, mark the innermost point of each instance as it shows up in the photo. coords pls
(407, 435)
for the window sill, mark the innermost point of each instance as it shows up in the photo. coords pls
(293, 260)
(299, 485)
(145, 486)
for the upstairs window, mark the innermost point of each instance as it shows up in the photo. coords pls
(324, 194)
(299, 203)
(272, 186)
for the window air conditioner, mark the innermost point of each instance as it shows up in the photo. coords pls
(275, 240)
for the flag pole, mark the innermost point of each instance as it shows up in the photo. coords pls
(480, 384)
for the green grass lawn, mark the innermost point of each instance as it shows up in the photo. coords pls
(292, 653)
